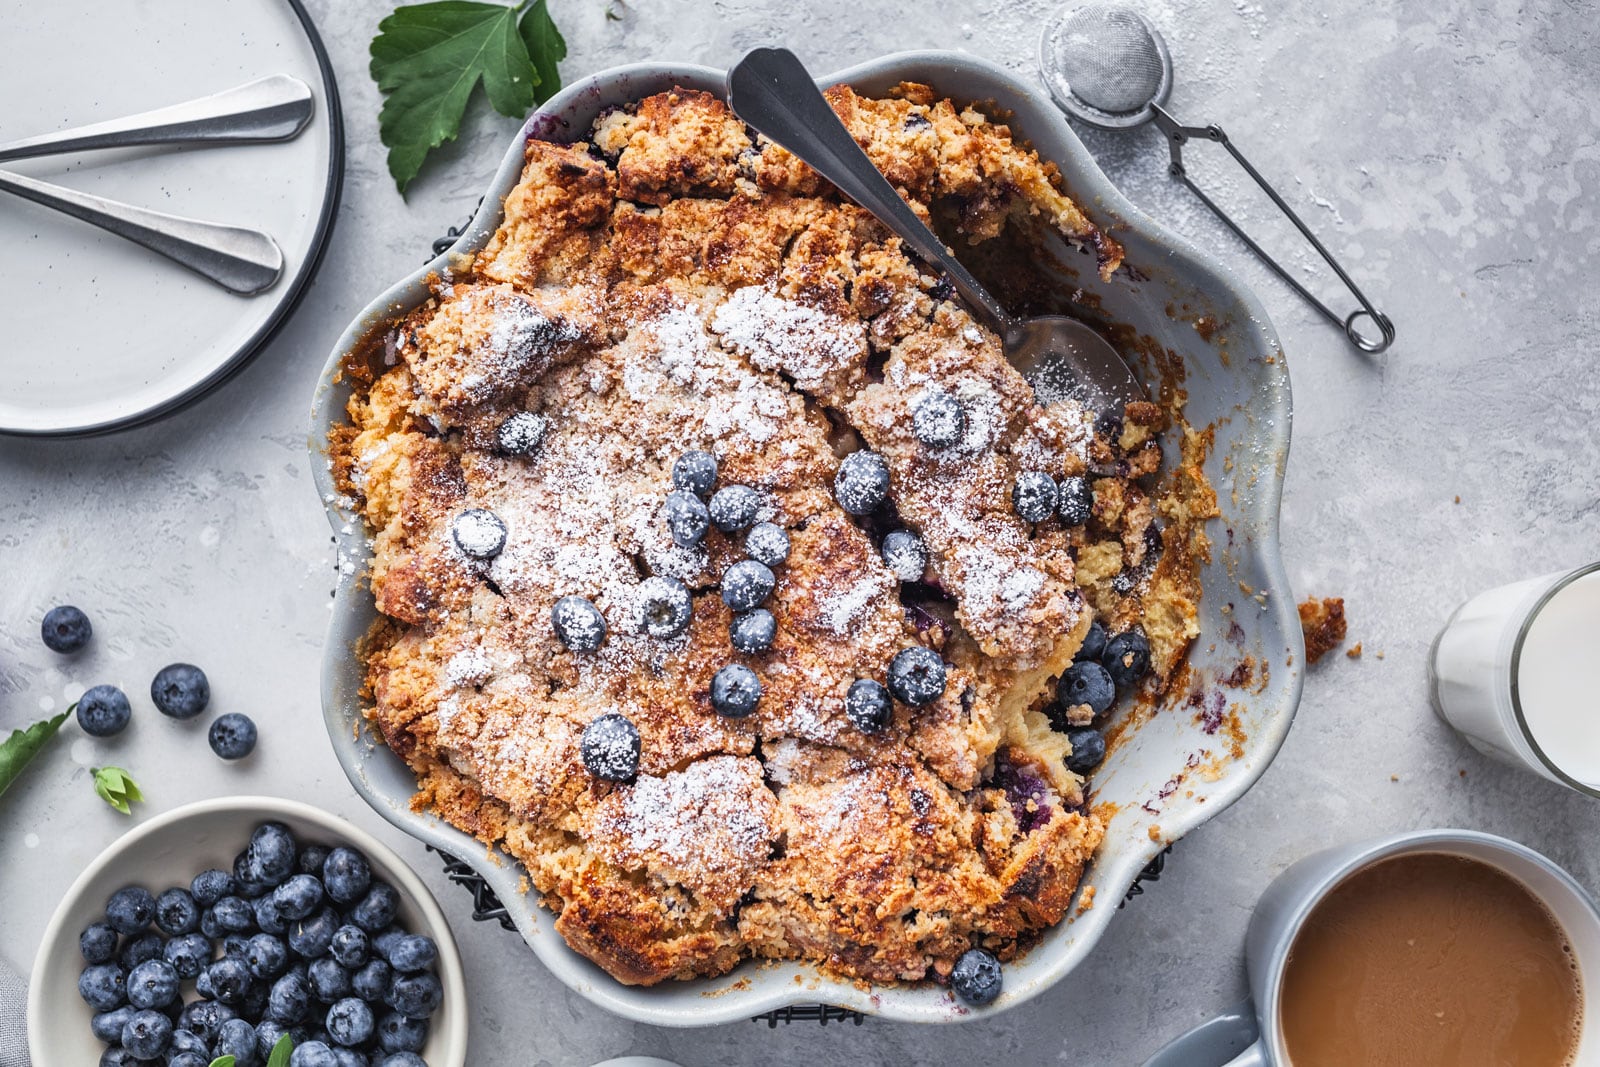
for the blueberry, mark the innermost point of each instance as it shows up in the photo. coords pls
(377, 909)
(229, 978)
(862, 483)
(578, 623)
(103, 711)
(205, 1018)
(310, 938)
(397, 1033)
(1075, 501)
(868, 706)
(176, 912)
(268, 1033)
(269, 920)
(208, 887)
(189, 1041)
(522, 433)
(313, 1054)
(298, 897)
(695, 472)
(610, 748)
(346, 875)
(289, 1000)
(735, 691)
(1086, 683)
(147, 1034)
(180, 690)
(664, 606)
(209, 925)
(1088, 749)
(117, 1056)
(152, 984)
(349, 1057)
(350, 1022)
(107, 1025)
(1034, 496)
(232, 736)
(1126, 658)
(312, 857)
(349, 946)
(1094, 643)
(187, 1058)
(478, 533)
(753, 631)
(687, 519)
(383, 939)
(270, 855)
(65, 629)
(916, 676)
(905, 555)
(938, 420)
(130, 909)
(747, 584)
(976, 977)
(237, 1038)
(768, 543)
(411, 953)
(266, 956)
(329, 981)
(372, 980)
(135, 950)
(416, 996)
(734, 507)
(188, 954)
(235, 915)
(235, 945)
(98, 943)
(402, 1059)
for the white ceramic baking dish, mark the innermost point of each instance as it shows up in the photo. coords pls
(1169, 773)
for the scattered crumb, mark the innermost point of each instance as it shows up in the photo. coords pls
(1354, 651)
(1086, 899)
(1463, 772)
(1322, 622)
(1155, 831)
(1379, 653)
(1394, 778)
(1458, 499)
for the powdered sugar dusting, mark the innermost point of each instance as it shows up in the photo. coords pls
(809, 345)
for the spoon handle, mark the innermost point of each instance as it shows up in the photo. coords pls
(238, 259)
(770, 90)
(274, 108)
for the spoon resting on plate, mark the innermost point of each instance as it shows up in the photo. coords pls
(1061, 357)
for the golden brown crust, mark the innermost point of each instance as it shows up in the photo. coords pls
(1323, 624)
(674, 285)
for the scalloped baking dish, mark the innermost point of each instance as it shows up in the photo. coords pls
(1168, 772)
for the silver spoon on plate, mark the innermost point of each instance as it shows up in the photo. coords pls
(1060, 356)
(238, 258)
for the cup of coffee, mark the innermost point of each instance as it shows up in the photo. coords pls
(1431, 948)
(1515, 670)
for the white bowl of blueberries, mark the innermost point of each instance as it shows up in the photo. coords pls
(242, 926)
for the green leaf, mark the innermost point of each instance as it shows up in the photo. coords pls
(226, 1061)
(18, 750)
(280, 1052)
(546, 47)
(429, 58)
(116, 788)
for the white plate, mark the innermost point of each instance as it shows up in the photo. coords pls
(101, 333)
(174, 847)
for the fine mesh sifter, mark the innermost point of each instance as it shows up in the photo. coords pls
(1108, 66)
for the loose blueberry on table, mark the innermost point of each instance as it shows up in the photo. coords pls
(103, 711)
(232, 736)
(65, 629)
(180, 690)
(342, 980)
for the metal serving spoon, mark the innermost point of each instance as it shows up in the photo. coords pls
(240, 259)
(1060, 356)
(274, 108)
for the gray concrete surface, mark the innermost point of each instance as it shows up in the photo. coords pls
(1448, 150)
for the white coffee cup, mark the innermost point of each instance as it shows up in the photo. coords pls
(1285, 906)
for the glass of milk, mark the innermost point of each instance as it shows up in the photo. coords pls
(1517, 671)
